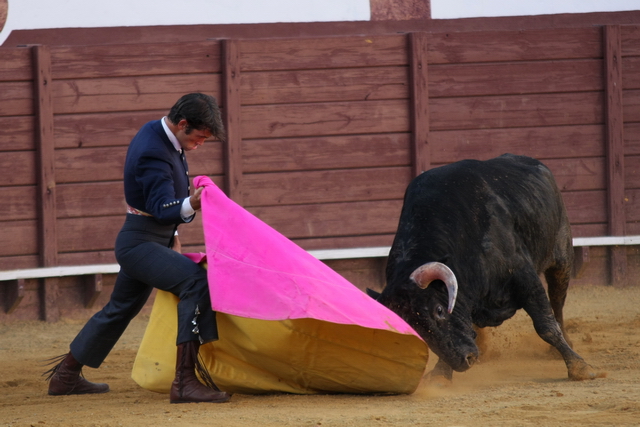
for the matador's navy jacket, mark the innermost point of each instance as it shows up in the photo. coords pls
(156, 175)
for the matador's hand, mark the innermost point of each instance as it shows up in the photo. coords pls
(195, 199)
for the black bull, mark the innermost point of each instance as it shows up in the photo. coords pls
(472, 240)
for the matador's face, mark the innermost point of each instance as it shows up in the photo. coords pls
(190, 138)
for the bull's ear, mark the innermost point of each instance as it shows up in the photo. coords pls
(373, 294)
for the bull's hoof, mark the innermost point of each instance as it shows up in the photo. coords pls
(438, 381)
(441, 375)
(580, 371)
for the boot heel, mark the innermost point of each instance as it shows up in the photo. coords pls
(186, 387)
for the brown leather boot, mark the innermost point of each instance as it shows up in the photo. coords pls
(66, 378)
(186, 386)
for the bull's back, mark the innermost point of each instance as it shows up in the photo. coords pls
(459, 207)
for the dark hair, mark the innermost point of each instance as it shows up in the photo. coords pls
(200, 111)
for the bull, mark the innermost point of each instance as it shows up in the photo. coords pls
(472, 241)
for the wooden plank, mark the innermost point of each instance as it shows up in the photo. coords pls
(633, 265)
(88, 233)
(18, 168)
(619, 277)
(631, 134)
(85, 258)
(364, 273)
(135, 60)
(231, 90)
(87, 199)
(101, 129)
(614, 136)
(633, 227)
(595, 272)
(49, 294)
(16, 98)
(631, 105)
(632, 171)
(18, 261)
(592, 229)
(76, 96)
(324, 85)
(346, 185)
(419, 108)
(324, 52)
(580, 261)
(546, 142)
(93, 289)
(342, 118)
(89, 164)
(506, 78)
(14, 292)
(20, 203)
(576, 201)
(332, 219)
(615, 149)
(15, 64)
(16, 133)
(45, 154)
(47, 233)
(632, 206)
(29, 308)
(578, 173)
(519, 45)
(631, 69)
(630, 40)
(329, 152)
(554, 109)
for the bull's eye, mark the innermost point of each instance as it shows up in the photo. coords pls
(439, 312)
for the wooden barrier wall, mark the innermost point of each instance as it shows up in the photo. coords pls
(324, 132)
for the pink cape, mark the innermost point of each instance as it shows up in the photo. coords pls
(287, 322)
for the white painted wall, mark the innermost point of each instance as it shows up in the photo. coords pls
(449, 9)
(32, 14)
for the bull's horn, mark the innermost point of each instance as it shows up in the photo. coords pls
(431, 271)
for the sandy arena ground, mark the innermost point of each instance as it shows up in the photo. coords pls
(518, 382)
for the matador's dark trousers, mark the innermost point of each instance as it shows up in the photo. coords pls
(147, 262)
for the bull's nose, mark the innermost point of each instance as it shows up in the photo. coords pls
(471, 359)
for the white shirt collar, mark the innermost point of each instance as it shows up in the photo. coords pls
(172, 137)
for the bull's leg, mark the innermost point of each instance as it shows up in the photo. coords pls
(442, 374)
(535, 302)
(557, 285)
(482, 340)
